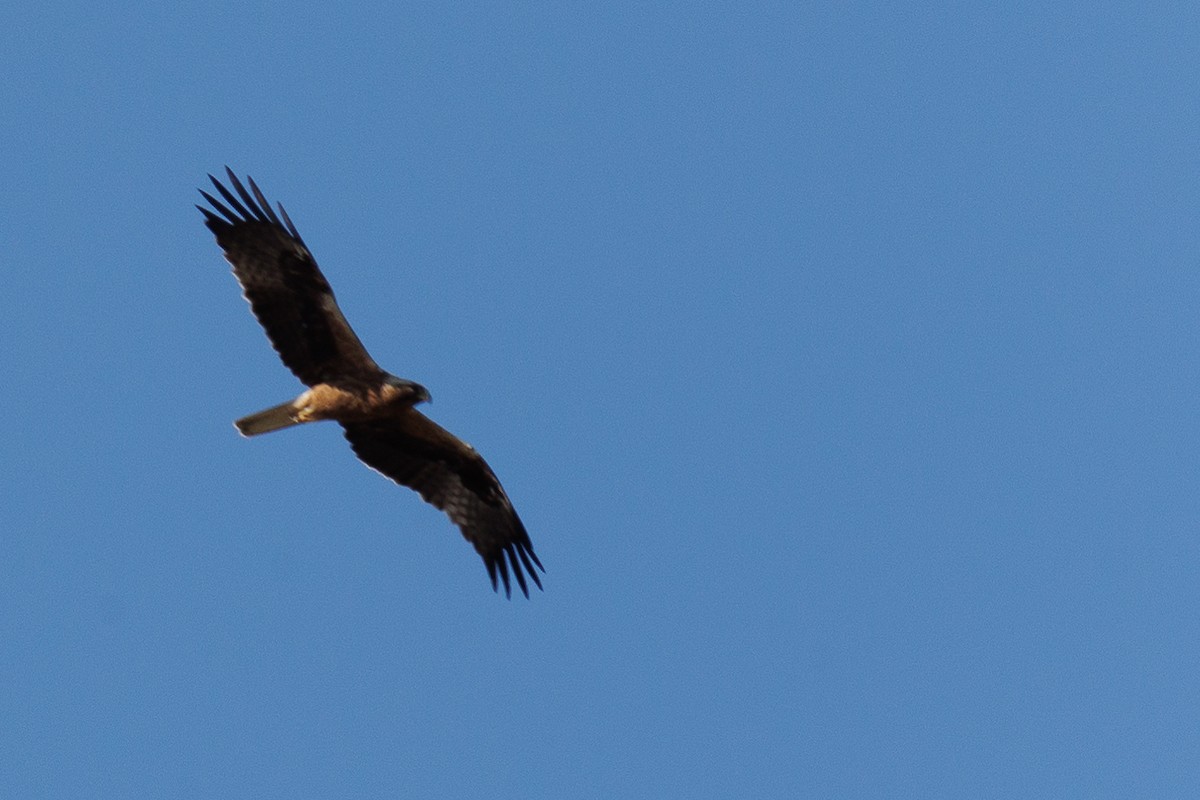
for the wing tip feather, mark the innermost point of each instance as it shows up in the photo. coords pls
(247, 198)
(519, 556)
(244, 206)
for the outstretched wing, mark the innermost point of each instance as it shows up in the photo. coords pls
(418, 453)
(287, 292)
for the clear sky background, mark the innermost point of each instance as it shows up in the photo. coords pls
(842, 363)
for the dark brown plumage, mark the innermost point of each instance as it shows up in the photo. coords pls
(296, 307)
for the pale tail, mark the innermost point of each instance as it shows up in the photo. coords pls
(272, 419)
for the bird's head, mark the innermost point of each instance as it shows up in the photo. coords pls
(408, 391)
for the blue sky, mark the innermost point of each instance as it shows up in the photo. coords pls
(842, 363)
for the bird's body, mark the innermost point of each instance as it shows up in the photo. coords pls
(340, 401)
(295, 305)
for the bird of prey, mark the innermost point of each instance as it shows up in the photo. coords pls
(295, 305)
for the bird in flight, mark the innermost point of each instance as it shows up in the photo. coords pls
(295, 305)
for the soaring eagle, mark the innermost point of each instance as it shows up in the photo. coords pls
(295, 305)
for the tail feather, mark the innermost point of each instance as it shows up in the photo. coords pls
(271, 419)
